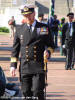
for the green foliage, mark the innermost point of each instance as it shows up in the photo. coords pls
(4, 29)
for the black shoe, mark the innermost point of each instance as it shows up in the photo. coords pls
(10, 85)
(66, 68)
(72, 68)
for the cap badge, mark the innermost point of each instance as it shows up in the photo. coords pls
(26, 9)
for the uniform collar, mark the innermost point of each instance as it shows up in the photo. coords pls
(69, 22)
(33, 25)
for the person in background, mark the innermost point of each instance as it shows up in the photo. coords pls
(68, 41)
(53, 23)
(50, 21)
(12, 25)
(30, 41)
(23, 21)
(6, 88)
(60, 34)
(40, 18)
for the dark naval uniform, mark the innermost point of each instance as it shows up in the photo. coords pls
(31, 46)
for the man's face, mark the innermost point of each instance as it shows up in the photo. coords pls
(71, 17)
(40, 18)
(30, 18)
(55, 17)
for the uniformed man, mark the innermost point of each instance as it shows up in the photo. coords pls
(31, 39)
(68, 40)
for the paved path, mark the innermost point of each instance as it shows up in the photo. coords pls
(61, 82)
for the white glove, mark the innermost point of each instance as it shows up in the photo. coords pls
(63, 46)
(12, 71)
(46, 54)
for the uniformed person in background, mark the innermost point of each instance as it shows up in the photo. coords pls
(68, 40)
(31, 39)
(41, 18)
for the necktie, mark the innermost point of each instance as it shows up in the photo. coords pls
(30, 28)
(70, 25)
(71, 29)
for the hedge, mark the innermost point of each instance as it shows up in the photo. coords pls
(4, 29)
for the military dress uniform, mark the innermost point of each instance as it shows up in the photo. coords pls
(31, 45)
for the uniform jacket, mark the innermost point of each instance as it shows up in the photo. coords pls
(66, 38)
(30, 46)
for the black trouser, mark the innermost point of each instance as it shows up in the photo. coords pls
(70, 57)
(33, 86)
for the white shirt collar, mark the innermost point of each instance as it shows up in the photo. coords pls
(69, 22)
(33, 25)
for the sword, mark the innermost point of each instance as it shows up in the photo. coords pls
(49, 50)
(46, 70)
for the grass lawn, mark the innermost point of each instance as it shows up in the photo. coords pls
(3, 33)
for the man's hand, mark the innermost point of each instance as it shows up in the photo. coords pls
(47, 54)
(13, 71)
(63, 46)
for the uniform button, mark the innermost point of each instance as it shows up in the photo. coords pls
(35, 56)
(26, 47)
(34, 59)
(26, 51)
(27, 59)
(34, 47)
(26, 55)
(34, 51)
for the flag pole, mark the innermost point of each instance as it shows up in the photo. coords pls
(45, 69)
(49, 8)
(52, 7)
(68, 4)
